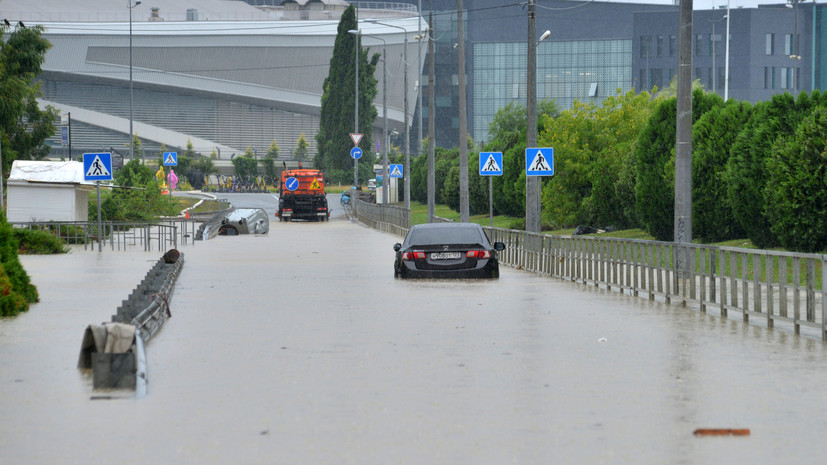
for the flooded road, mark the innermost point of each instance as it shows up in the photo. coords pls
(299, 347)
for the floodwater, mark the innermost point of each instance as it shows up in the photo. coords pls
(299, 347)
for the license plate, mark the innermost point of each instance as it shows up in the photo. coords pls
(445, 255)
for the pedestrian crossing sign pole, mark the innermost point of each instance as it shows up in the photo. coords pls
(491, 164)
(98, 167)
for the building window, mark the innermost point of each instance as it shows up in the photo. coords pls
(643, 80)
(673, 45)
(645, 46)
(785, 78)
(698, 74)
(789, 45)
(769, 47)
(656, 78)
(660, 45)
(698, 43)
(710, 84)
(721, 76)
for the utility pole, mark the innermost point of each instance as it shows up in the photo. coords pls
(683, 136)
(463, 122)
(431, 120)
(532, 187)
(356, 48)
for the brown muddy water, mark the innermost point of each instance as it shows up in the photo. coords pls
(299, 347)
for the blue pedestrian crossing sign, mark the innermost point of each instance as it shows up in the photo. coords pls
(491, 163)
(97, 166)
(170, 158)
(396, 171)
(539, 161)
(356, 153)
(291, 184)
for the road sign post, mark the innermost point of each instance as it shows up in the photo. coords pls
(491, 164)
(98, 167)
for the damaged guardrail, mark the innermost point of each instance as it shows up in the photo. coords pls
(114, 351)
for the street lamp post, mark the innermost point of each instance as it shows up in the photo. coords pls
(407, 170)
(385, 183)
(533, 204)
(130, 6)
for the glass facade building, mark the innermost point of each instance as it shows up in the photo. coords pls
(584, 70)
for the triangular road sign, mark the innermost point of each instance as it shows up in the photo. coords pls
(491, 165)
(97, 168)
(356, 137)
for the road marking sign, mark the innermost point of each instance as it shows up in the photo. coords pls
(396, 171)
(356, 153)
(539, 161)
(170, 158)
(356, 137)
(97, 166)
(291, 184)
(491, 163)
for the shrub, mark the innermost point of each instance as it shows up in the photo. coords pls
(37, 242)
(16, 289)
(796, 192)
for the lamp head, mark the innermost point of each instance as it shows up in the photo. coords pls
(544, 36)
(137, 2)
(355, 31)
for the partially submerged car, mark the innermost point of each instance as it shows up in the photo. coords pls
(244, 221)
(447, 250)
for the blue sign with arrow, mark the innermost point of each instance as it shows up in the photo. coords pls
(356, 153)
(291, 184)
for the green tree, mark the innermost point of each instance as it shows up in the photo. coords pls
(16, 289)
(712, 138)
(796, 192)
(245, 167)
(301, 152)
(746, 172)
(333, 143)
(271, 173)
(143, 204)
(591, 144)
(655, 152)
(23, 126)
(273, 150)
(199, 169)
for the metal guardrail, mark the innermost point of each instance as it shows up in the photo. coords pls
(146, 236)
(386, 218)
(775, 286)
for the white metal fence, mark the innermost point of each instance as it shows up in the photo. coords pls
(781, 287)
(113, 235)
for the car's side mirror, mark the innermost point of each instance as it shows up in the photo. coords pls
(498, 246)
(397, 246)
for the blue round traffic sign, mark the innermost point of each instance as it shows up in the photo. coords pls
(291, 184)
(356, 153)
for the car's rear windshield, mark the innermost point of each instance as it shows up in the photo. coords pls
(445, 236)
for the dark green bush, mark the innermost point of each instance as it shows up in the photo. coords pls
(796, 191)
(16, 289)
(37, 242)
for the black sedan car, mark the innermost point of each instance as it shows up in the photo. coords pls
(447, 250)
